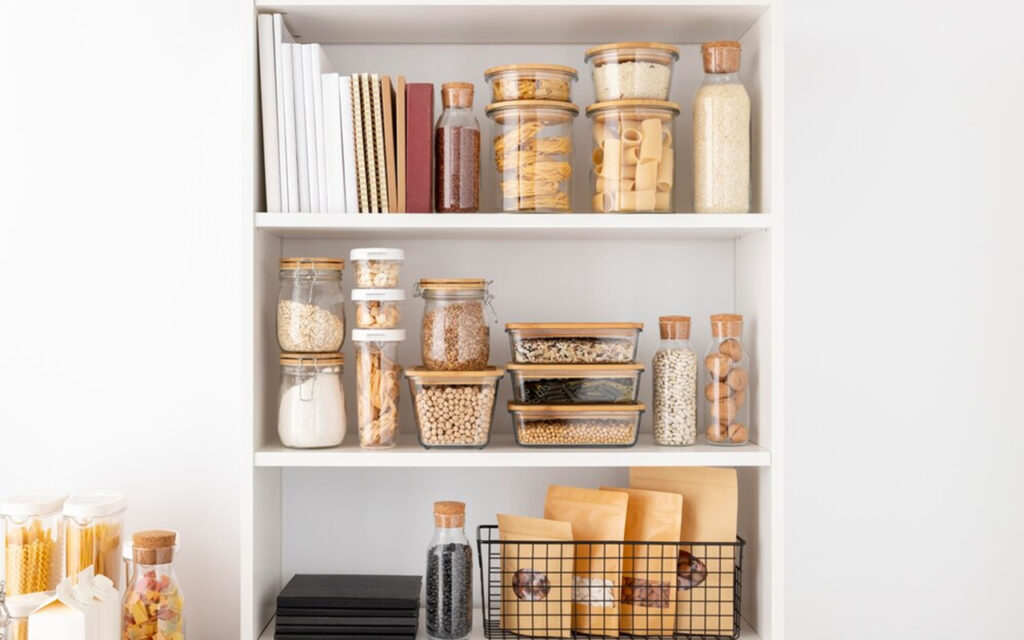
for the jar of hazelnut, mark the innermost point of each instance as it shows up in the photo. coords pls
(725, 382)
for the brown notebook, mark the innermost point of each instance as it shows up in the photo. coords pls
(419, 150)
(387, 102)
(400, 143)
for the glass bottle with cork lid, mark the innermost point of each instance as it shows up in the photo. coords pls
(675, 384)
(449, 583)
(726, 382)
(154, 606)
(721, 133)
(457, 152)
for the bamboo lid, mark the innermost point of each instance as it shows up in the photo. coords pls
(555, 68)
(674, 327)
(457, 94)
(653, 51)
(489, 374)
(726, 325)
(449, 513)
(321, 264)
(312, 359)
(573, 325)
(576, 408)
(531, 105)
(428, 284)
(721, 56)
(574, 368)
(669, 108)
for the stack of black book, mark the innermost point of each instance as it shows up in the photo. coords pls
(346, 607)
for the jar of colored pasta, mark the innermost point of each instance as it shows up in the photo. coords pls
(532, 151)
(154, 605)
(633, 155)
(33, 542)
(92, 525)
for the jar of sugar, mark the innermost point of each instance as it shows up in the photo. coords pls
(312, 400)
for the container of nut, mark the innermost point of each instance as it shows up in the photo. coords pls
(454, 408)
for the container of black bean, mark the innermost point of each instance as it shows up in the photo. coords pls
(449, 584)
(575, 384)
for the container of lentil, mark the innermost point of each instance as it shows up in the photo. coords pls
(455, 335)
(531, 82)
(532, 144)
(627, 70)
(454, 408)
(633, 155)
(311, 305)
(575, 384)
(581, 425)
(574, 342)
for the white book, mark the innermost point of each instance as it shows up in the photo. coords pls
(268, 112)
(348, 144)
(290, 139)
(289, 178)
(321, 65)
(333, 156)
(302, 159)
(309, 101)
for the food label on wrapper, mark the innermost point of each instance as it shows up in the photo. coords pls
(594, 592)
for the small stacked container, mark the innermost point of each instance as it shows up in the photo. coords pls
(454, 391)
(377, 335)
(33, 538)
(575, 384)
(531, 136)
(93, 528)
(633, 123)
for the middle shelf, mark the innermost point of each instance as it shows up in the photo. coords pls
(503, 452)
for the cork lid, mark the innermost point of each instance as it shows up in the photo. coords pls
(312, 359)
(674, 327)
(726, 325)
(457, 94)
(154, 547)
(449, 513)
(721, 56)
(319, 264)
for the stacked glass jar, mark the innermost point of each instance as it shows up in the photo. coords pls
(633, 151)
(378, 301)
(531, 133)
(310, 332)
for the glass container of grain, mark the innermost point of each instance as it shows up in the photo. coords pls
(675, 384)
(721, 133)
(311, 305)
(725, 382)
(632, 70)
(457, 155)
(455, 335)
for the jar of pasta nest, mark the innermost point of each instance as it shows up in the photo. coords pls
(311, 305)
(633, 155)
(531, 82)
(455, 334)
(532, 142)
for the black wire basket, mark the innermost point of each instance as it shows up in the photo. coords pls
(540, 589)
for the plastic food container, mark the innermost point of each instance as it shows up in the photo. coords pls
(532, 142)
(627, 70)
(33, 542)
(575, 384)
(633, 155)
(377, 373)
(574, 342)
(311, 305)
(454, 408)
(580, 425)
(378, 308)
(311, 409)
(94, 525)
(531, 82)
(377, 268)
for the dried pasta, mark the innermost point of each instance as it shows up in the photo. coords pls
(32, 560)
(633, 162)
(558, 145)
(531, 89)
(517, 137)
(97, 546)
(534, 170)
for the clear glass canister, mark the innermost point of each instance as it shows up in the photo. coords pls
(311, 305)
(532, 142)
(531, 82)
(154, 605)
(633, 155)
(632, 70)
(449, 583)
(455, 335)
(457, 152)
(377, 373)
(675, 384)
(721, 133)
(312, 400)
(376, 267)
(19, 608)
(33, 542)
(725, 381)
(454, 408)
(93, 526)
(377, 308)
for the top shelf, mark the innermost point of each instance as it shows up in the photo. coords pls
(524, 22)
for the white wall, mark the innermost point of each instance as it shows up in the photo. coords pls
(904, 222)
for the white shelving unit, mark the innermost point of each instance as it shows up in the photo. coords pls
(348, 510)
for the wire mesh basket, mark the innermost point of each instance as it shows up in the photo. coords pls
(548, 589)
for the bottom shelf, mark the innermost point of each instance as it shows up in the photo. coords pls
(746, 633)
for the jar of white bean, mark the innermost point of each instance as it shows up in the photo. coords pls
(675, 384)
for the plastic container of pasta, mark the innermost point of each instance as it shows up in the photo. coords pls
(93, 526)
(574, 342)
(531, 82)
(575, 384)
(632, 70)
(581, 425)
(33, 538)
(532, 143)
(633, 155)
(454, 409)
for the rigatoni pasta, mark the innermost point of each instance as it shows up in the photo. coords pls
(633, 156)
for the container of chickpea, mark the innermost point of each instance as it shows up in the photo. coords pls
(579, 425)
(454, 408)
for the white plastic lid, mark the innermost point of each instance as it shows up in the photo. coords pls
(387, 295)
(35, 503)
(22, 606)
(98, 504)
(378, 335)
(376, 253)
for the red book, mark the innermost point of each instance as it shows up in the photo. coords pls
(419, 148)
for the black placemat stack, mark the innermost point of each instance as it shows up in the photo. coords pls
(346, 607)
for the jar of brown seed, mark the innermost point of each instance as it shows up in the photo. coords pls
(455, 335)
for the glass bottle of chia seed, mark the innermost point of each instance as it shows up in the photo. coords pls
(449, 613)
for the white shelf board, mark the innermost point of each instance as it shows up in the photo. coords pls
(523, 22)
(515, 225)
(504, 452)
(746, 633)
